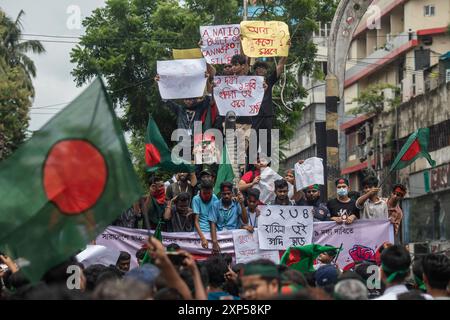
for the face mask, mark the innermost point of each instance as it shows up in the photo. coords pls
(342, 192)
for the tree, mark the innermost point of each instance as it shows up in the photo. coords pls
(14, 50)
(125, 38)
(373, 100)
(16, 87)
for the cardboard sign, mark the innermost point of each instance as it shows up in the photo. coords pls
(220, 43)
(265, 38)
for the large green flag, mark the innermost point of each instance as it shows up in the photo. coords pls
(415, 147)
(302, 258)
(66, 184)
(158, 155)
(225, 172)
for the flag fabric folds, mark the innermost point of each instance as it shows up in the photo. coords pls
(64, 185)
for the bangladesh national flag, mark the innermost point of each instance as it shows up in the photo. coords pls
(225, 172)
(302, 258)
(158, 155)
(64, 185)
(415, 147)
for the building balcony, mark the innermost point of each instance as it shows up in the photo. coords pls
(380, 58)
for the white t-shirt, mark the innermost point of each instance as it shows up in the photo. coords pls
(374, 210)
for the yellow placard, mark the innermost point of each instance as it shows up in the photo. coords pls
(187, 53)
(265, 38)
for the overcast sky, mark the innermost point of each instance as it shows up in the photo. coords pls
(53, 83)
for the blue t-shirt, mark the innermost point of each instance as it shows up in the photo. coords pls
(203, 210)
(226, 218)
(221, 296)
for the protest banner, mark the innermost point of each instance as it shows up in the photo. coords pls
(280, 227)
(131, 240)
(241, 94)
(180, 79)
(220, 43)
(194, 53)
(360, 240)
(246, 247)
(308, 173)
(265, 38)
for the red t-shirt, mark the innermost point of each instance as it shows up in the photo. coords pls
(250, 175)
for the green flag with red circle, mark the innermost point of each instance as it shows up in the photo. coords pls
(64, 185)
(415, 147)
(158, 155)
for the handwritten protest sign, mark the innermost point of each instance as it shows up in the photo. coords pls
(265, 38)
(246, 247)
(280, 227)
(220, 43)
(241, 94)
(181, 79)
(187, 53)
(309, 172)
(360, 240)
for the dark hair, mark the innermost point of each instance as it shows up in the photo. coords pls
(294, 276)
(216, 267)
(183, 196)
(253, 192)
(370, 181)
(399, 185)
(92, 273)
(239, 59)
(394, 259)
(140, 254)
(226, 184)
(417, 268)
(168, 294)
(437, 269)
(124, 256)
(153, 179)
(206, 185)
(261, 64)
(58, 274)
(173, 247)
(281, 183)
(411, 295)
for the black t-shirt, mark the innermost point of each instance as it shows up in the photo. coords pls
(266, 109)
(339, 209)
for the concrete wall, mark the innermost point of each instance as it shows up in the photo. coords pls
(416, 20)
(397, 20)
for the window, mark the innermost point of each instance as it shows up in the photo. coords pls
(429, 11)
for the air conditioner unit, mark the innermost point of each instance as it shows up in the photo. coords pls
(447, 76)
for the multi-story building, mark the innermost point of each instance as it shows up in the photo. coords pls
(308, 140)
(408, 48)
(399, 43)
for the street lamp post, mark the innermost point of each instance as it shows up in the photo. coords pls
(348, 16)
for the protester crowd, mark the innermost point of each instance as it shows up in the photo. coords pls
(188, 203)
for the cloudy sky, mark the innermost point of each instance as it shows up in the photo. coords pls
(55, 23)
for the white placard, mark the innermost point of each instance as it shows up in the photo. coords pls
(280, 227)
(246, 247)
(267, 184)
(241, 94)
(309, 173)
(180, 79)
(96, 254)
(220, 43)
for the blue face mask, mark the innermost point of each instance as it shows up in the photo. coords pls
(342, 192)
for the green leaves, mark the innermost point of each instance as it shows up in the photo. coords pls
(16, 87)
